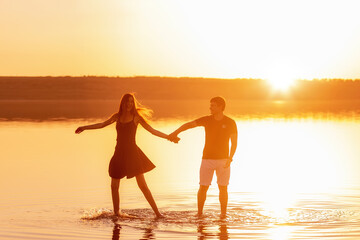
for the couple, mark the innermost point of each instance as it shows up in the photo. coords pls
(129, 161)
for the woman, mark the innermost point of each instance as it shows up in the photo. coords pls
(128, 160)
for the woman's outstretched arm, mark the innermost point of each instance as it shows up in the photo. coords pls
(154, 131)
(97, 125)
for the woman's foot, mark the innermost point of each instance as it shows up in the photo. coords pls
(159, 216)
(124, 215)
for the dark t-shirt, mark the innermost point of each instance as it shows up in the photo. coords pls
(217, 136)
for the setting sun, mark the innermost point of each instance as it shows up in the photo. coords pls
(281, 82)
(281, 76)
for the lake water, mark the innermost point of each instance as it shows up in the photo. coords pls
(292, 178)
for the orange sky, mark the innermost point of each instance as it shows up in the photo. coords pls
(227, 39)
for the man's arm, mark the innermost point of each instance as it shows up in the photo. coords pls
(183, 127)
(233, 138)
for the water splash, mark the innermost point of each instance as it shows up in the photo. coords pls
(97, 214)
(188, 221)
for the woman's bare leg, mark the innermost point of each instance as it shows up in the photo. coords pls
(140, 179)
(115, 183)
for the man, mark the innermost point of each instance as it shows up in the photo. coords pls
(218, 130)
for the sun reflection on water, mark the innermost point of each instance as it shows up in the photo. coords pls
(276, 204)
(280, 232)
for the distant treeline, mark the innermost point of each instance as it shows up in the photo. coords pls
(163, 88)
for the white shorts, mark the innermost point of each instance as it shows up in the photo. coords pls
(207, 168)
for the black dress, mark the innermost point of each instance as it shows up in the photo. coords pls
(128, 159)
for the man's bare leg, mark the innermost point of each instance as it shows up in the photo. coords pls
(223, 198)
(201, 197)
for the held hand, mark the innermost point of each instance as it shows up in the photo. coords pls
(79, 130)
(173, 138)
(172, 135)
(228, 162)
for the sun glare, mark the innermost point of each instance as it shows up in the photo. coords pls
(281, 82)
(281, 76)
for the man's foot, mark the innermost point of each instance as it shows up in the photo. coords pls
(199, 215)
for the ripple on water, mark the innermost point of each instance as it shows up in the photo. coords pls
(187, 221)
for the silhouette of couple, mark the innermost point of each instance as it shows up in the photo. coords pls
(129, 161)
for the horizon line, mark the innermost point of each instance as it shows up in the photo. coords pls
(175, 77)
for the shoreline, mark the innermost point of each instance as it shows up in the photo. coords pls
(67, 109)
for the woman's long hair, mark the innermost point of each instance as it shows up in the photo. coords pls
(138, 108)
